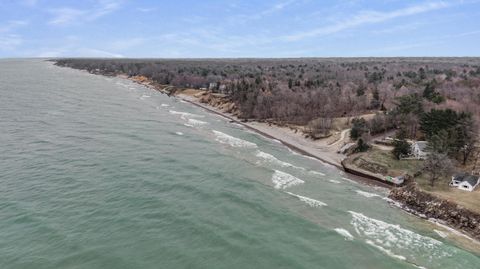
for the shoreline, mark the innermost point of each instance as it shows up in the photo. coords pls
(357, 176)
(337, 164)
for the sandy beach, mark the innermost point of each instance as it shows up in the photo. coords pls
(324, 150)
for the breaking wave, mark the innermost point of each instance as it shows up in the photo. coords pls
(185, 114)
(317, 173)
(344, 233)
(233, 141)
(195, 122)
(386, 251)
(282, 180)
(367, 194)
(309, 201)
(386, 236)
(271, 159)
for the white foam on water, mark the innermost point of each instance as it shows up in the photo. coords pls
(344, 233)
(233, 141)
(393, 202)
(271, 159)
(195, 122)
(164, 105)
(349, 180)
(386, 251)
(390, 236)
(316, 173)
(451, 230)
(183, 101)
(293, 152)
(144, 96)
(188, 125)
(367, 194)
(185, 114)
(282, 180)
(440, 233)
(309, 201)
(334, 181)
(179, 133)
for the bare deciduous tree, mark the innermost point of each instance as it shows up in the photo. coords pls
(437, 165)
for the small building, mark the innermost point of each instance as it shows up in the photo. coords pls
(457, 179)
(419, 150)
(469, 183)
(212, 85)
(465, 182)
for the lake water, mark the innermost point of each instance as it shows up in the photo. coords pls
(100, 172)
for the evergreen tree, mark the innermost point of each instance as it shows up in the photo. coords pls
(401, 146)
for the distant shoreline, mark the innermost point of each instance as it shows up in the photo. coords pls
(273, 133)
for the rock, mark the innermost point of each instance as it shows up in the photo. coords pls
(433, 207)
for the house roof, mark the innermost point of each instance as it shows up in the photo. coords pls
(459, 176)
(422, 145)
(472, 180)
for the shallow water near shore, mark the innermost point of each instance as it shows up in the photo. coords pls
(99, 172)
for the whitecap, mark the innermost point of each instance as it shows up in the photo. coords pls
(349, 180)
(334, 181)
(185, 114)
(188, 125)
(386, 251)
(271, 159)
(309, 201)
(164, 105)
(317, 173)
(195, 122)
(367, 194)
(393, 202)
(389, 236)
(233, 141)
(344, 233)
(179, 133)
(282, 180)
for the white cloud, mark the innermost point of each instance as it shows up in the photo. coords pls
(367, 17)
(242, 18)
(68, 15)
(11, 25)
(146, 9)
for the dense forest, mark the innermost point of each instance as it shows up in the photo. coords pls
(405, 93)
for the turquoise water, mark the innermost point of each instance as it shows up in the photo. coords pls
(99, 172)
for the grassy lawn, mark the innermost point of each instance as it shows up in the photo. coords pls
(470, 200)
(394, 166)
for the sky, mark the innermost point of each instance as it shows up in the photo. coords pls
(238, 28)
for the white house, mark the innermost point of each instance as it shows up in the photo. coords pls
(419, 149)
(465, 182)
(457, 179)
(469, 183)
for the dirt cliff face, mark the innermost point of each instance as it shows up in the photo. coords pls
(219, 101)
(431, 206)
